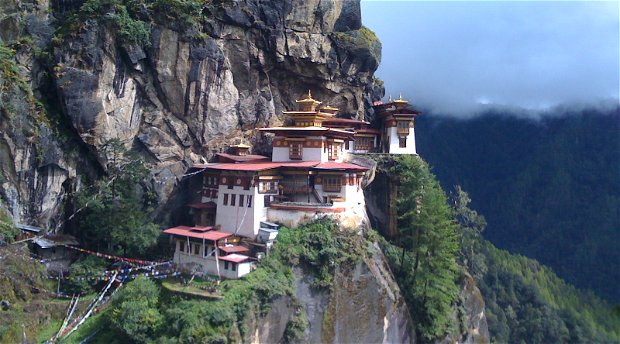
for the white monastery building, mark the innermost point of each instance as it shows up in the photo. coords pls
(238, 198)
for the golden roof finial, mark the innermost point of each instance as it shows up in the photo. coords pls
(390, 98)
(309, 94)
(400, 99)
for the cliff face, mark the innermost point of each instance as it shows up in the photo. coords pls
(364, 305)
(69, 88)
(189, 93)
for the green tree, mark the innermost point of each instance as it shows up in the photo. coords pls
(471, 225)
(430, 244)
(115, 211)
(135, 312)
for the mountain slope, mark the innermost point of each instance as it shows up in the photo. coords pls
(549, 188)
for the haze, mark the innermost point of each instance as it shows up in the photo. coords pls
(455, 57)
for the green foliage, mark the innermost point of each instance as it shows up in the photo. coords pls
(548, 188)
(296, 327)
(362, 39)
(186, 13)
(130, 29)
(79, 271)
(9, 71)
(471, 226)
(115, 210)
(527, 302)
(428, 244)
(135, 311)
(8, 232)
(319, 247)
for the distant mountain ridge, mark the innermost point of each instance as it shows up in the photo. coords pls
(549, 188)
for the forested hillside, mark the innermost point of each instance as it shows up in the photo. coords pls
(549, 188)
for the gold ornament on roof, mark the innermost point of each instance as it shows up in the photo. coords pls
(308, 104)
(400, 99)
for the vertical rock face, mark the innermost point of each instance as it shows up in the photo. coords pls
(188, 94)
(35, 165)
(364, 305)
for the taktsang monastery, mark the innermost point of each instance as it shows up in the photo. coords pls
(240, 197)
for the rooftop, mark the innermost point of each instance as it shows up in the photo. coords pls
(235, 258)
(206, 233)
(240, 158)
(267, 165)
(234, 249)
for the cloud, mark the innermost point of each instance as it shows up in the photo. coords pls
(454, 56)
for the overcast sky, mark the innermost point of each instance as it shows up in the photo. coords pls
(451, 56)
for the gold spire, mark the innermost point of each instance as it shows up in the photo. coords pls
(308, 104)
(390, 99)
(400, 100)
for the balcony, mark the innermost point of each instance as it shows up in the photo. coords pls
(307, 207)
(402, 131)
(295, 188)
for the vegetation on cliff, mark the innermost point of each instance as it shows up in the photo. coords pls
(424, 255)
(525, 301)
(143, 312)
(122, 194)
(548, 187)
(8, 232)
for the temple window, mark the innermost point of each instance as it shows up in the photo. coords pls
(295, 150)
(241, 199)
(196, 249)
(233, 199)
(268, 187)
(332, 184)
(402, 142)
(249, 201)
(332, 151)
(225, 199)
(363, 143)
(181, 246)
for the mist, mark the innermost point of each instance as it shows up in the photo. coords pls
(461, 58)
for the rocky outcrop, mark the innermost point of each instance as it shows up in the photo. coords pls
(364, 305)
(469, 312)
(190, 93)
(37, 166)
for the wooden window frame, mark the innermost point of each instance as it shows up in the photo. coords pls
(332, 184)
(333, 150)
(402, 142)
(233, 200)
(225, 201)
(295, 146)
(241, 199)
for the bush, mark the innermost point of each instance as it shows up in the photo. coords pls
(135, 311)
(8, 232)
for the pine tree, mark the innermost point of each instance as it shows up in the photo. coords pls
(429, 240)
(115, 210)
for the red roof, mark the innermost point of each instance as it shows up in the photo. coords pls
(344, 120)
(368, 130)
(340, 166)
(234, 249)
(208, 205)
(198, 232)
(257, 166)
(224, 157)
(235, 258)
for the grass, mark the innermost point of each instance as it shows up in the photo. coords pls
(192, 289)
(94, 324)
